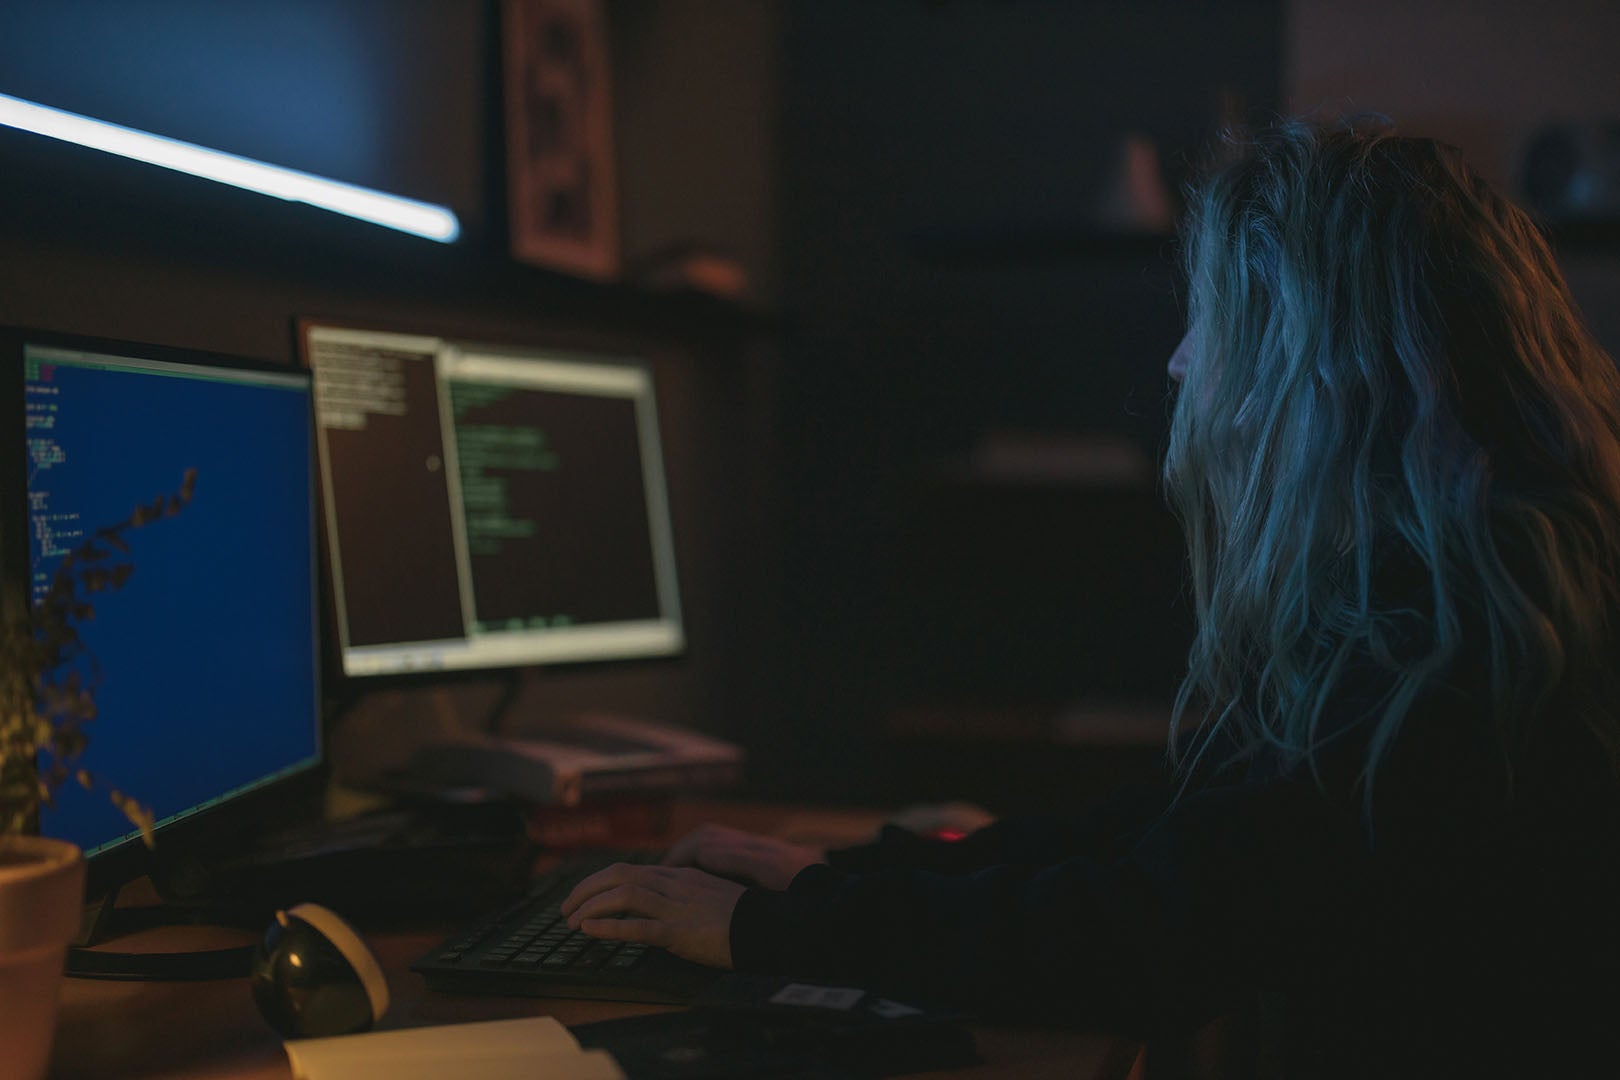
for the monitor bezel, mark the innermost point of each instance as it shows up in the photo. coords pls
(560, 346)
(217, 833)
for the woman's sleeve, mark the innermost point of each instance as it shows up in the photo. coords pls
(1235, 885)
(1268, 883)
(1037, 841)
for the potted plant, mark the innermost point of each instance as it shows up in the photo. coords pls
(47, 685)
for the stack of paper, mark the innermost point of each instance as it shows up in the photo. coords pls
(527, 1049)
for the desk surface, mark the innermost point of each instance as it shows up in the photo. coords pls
(213, 1029)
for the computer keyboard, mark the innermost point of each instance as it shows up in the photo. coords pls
(526, 948)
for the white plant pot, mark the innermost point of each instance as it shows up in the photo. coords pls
(41, 898)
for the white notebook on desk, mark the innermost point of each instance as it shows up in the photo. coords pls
(526, 1049)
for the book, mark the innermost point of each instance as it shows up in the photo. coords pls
(571, 761)
(494, 1050)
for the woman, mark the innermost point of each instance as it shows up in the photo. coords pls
(1396, 457)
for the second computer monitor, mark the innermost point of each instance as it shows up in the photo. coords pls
(490, 506)
(205, 663)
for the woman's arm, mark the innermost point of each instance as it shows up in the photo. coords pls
(1234, 883)
(1031, 841)
(1025, 841)
(1260, 884)
(1237, 887)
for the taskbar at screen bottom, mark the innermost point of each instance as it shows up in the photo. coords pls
(620, 641)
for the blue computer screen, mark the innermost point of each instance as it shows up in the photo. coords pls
(207, 656)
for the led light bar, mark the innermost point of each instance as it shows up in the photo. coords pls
(407, 215)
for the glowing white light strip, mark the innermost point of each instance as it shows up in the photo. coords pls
(407, 215)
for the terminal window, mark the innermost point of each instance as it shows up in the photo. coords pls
(490, 508)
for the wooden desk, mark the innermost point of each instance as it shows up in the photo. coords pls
(198, 1030)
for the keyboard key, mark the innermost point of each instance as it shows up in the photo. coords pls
(594, 957)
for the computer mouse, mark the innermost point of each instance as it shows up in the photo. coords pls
(313, 975)
(942, 821)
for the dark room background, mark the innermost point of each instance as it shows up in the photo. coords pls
(913, 464)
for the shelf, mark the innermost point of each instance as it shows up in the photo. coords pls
(68, 198)
(1039, 244)
(1053, 460)
(1086, 722)
(1068, 243)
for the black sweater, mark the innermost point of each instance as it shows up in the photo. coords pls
(1467, 920)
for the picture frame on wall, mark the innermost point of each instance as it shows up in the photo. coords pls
(562, 200)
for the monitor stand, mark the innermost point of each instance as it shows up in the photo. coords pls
(376, 871)
(105, 921)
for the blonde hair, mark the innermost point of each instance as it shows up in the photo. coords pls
(1395, 455)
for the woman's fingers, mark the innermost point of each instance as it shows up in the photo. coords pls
(738, 857)
(628, 899)
(742, 856)
(689, 850)
(613, 877)
(686, 911)
(681, 852)
(642, 931)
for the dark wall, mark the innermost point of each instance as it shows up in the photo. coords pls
(398, 95)
(384, 93)
(950, 301)
(1484, 75)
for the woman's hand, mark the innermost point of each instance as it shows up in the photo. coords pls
(685, 911)
(745, 856)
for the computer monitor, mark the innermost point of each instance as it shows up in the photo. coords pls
(489, 506)
(207, 694)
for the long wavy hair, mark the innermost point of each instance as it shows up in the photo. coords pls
(1395, 454)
